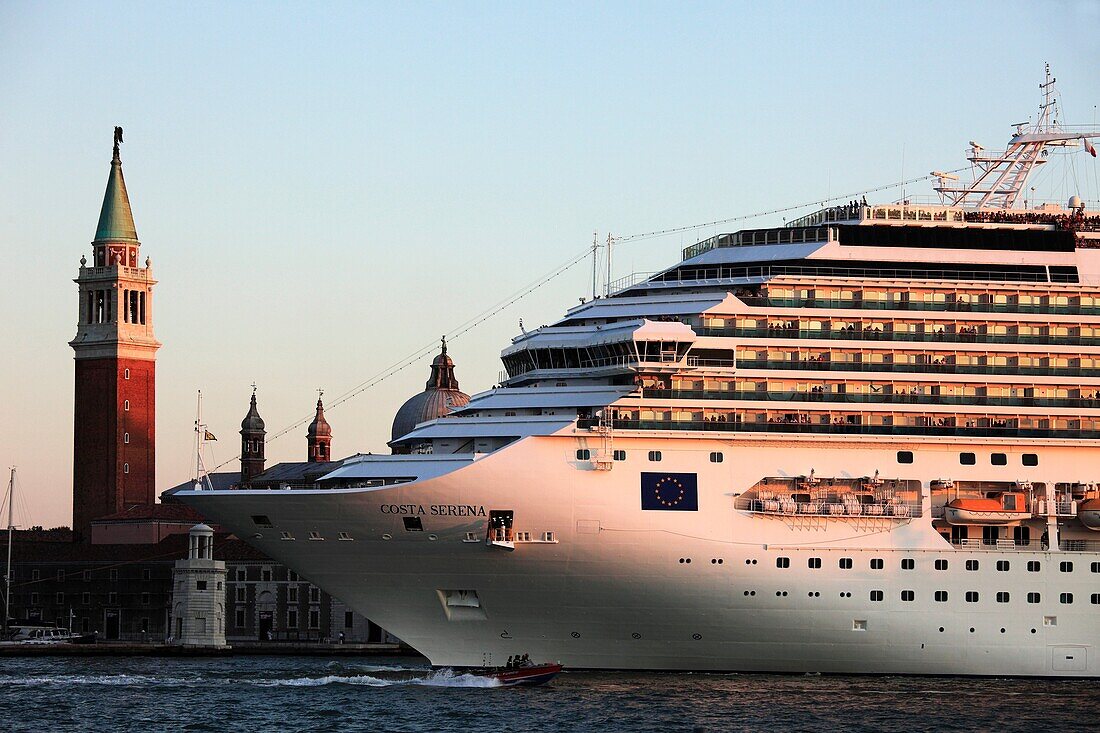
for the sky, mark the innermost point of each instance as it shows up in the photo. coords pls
(326, 188)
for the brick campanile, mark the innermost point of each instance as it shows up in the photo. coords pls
(114, 446)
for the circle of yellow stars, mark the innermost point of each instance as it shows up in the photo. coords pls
(657, 491)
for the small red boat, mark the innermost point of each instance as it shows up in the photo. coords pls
(529, 676)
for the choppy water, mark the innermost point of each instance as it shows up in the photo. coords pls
(320, 694)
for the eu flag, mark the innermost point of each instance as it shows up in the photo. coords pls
(676, 492)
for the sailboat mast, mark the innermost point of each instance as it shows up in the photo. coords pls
(7, 570)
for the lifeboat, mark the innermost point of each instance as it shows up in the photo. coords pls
(1088, 512)
(1006, 508)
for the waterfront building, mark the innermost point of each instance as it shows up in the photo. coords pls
(198, 594)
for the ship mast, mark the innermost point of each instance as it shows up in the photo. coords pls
(1000, 176)
(201, 433)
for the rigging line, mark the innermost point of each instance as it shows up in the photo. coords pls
(421, 353)
(815, 202)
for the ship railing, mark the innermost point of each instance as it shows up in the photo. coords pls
(878, 398)
(917, 367)
(695, 361)
(901, 336)
(951, 306)
(891, 509)
(693, 275)
(1080, 545)
(1031, 545)
(724, 423)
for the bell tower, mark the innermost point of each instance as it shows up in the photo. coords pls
(253, 435)
(114, 459)
(319, 436)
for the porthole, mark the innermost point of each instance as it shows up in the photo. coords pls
(908, 595)
(998, 459)
(1002, 630)
(387, 536)
(635, 635)
(1030, 459)
(655, 455)
(905, 456)
(941, 564)
(908, 564)
(814, 563)
(971, 564)
(583, 454)
(575, 634)
(968, 459)
(619, 455)
(941, 629)
(877, 563)
(971, 629)
(1065, 566)
(433, 537)
(697, 637)
(716, 457)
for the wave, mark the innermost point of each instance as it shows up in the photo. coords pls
(437, 678)
(104, 679)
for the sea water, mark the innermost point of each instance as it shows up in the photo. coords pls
(256, 693)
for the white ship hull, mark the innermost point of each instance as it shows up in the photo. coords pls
(616, 589)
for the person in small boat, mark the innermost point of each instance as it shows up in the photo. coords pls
(509, 664)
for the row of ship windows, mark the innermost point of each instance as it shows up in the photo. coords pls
(904, 456)
(941, 596)
(877, 563)
(584, 454)
(316, 536)
(970, 459)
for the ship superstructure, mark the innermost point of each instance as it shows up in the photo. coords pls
(866, 441)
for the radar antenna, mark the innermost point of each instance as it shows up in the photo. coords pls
(1001, 176)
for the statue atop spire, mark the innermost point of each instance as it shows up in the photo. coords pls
(118, 139)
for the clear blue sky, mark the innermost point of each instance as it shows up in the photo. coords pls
(326, 187)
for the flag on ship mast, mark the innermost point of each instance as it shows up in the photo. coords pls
(1088, 146)
(207, 435)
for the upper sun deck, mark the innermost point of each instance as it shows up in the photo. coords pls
(1049, 227)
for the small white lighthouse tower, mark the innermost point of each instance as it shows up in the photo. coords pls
(198, 594)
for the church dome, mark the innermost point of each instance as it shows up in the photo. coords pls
(441, 395)
(252, 421)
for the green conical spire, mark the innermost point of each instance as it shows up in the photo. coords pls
(116, 221)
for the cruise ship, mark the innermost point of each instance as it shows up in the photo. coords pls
(867, 441)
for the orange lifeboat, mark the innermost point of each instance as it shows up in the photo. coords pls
(1005, 508)
(1088, 512)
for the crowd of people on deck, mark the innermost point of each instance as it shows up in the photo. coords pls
(1075, 220)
